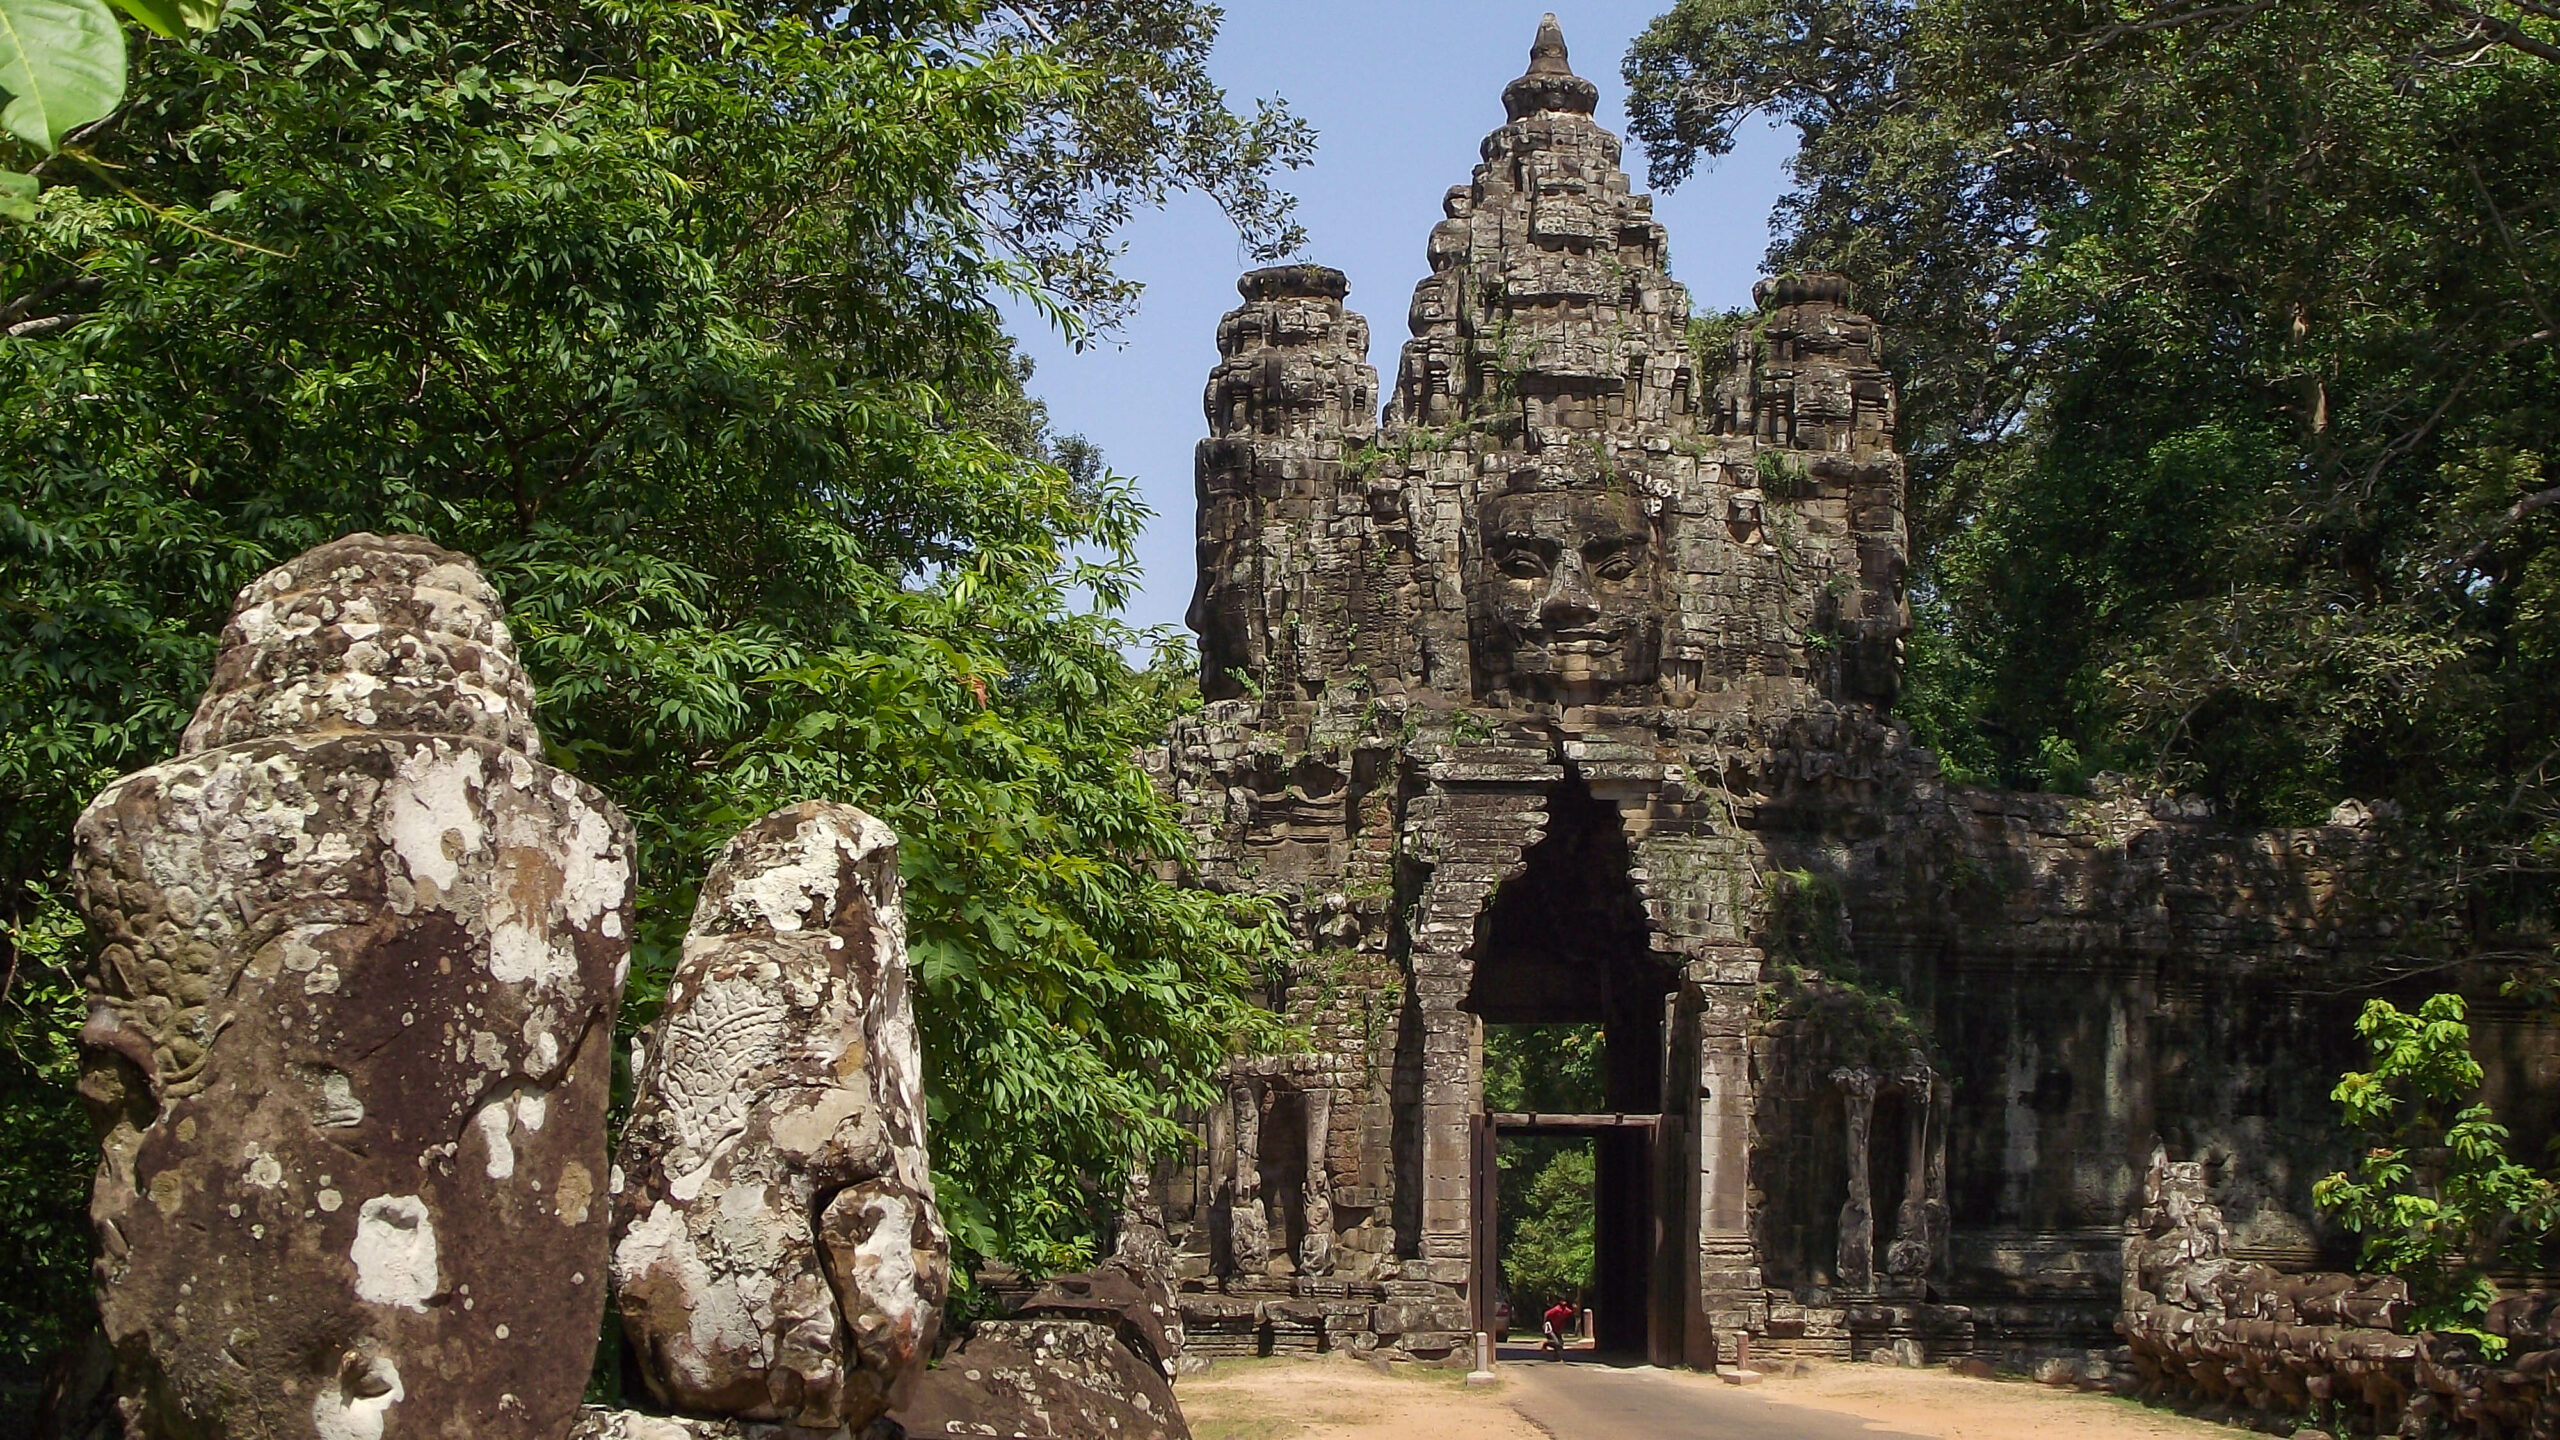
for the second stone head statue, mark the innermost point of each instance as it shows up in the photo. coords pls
(1566, 604)
(778, 1255)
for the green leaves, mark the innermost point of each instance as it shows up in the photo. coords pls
(1546, 1223)
(680, 318)
(2433, 1193)
(2227, 372)
(1552, 1251)
(62, 66)
(172, 19)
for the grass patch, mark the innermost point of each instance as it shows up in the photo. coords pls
(1245, 1427)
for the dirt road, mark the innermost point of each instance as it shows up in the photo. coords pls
(1341, 1399)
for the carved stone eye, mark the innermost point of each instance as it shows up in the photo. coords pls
(1523, 563)
(1617, 566)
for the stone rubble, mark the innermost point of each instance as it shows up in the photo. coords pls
(2209, 1328)
(1088, 1356)
(351, 1027)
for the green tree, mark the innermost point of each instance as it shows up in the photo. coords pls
(1544, 1228)
(680, 317)
(2229, 368)
(2434, 1194)
(1543, 1067)
(1549, 1254)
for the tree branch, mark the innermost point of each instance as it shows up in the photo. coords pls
(20, 309)
(2171, 21)
(2507, 32)
(2539, 500)
(2524, 272)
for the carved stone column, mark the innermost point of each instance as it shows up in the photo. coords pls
(1919, 1225)
(351, 1027)
(1248, 1225)
(1145, 1250)
(1315, 1248)
(1856, 1270)
(1934, 1209)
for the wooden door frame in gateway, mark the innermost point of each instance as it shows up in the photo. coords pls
(1668, 1299)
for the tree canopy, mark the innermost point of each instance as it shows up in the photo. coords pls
(2230, 371)
(1549, 1207)
(2434, 1192)
(679, 316)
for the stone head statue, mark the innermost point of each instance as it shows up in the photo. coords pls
(1567, 604)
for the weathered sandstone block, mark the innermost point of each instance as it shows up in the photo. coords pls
(778, 1255)
(632, 1425)
(1137, 1307)
(1044, 1379)
(351, 1027)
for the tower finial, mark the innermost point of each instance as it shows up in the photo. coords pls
(1550, 83)
(1547, 55)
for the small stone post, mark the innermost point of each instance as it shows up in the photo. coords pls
(351, 1027)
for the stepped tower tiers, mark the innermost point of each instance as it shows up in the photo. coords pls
(1561, 695)
(1749, 500)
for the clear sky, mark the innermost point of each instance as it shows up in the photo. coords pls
(1401, 92)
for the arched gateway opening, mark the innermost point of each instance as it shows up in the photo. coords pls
(1566, 942)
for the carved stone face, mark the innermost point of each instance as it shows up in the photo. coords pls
(1224, 600)
(1567, 603)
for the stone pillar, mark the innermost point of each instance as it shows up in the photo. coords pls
(1217, 1185)
(777, 1254)
(351, 1026)
(1919, 1224)
(1248, 1227)
(1315, 1248)
(1856, 1271)
(1145, 1249)
(1477, 835)
(1448, 1106)
(1732, 1296)
(1142, 1243)
(1934, 1210)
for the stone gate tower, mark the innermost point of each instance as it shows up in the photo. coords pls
(1561, 695)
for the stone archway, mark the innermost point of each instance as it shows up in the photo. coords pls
(1566, 941)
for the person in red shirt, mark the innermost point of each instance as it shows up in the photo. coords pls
(1559, 1321)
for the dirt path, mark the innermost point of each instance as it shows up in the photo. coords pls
(1341, 1399)
(1946, 1406)
(1336, 1398)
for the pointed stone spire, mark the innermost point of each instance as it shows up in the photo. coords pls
(1547, 55)
(1550, 83)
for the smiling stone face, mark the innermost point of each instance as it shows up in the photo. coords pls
(1567, 605)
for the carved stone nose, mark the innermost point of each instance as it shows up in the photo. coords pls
(1568, 601)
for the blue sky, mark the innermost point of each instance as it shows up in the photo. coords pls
(1400, 92)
